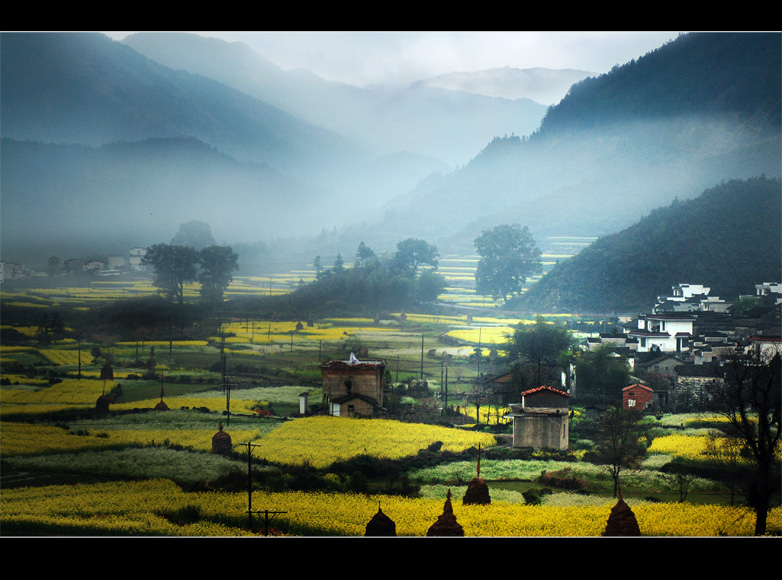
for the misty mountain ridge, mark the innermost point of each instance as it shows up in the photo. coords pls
(697, 111)
(125, 194)
(447, 123)
(542, 85)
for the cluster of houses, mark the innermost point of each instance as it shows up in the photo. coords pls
(113, 265)
(682, 338)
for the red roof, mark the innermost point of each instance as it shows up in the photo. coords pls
(638, 385)
(545, 388)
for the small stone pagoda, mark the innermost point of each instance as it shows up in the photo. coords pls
(221, 441)
(446, 524)
(477, 490)
(380, 525)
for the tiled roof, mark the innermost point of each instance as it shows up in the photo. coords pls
(545, 388)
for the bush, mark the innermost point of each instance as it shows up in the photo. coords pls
(562, 480)
(531, 497)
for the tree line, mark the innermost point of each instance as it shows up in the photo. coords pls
(373, 283)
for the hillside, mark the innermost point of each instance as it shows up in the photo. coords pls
(729, 238)
(88, 89)
(450, 125)
(618, 146)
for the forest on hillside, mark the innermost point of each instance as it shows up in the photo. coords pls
(728, 239)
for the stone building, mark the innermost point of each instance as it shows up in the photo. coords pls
(353, 388)
(540, 421)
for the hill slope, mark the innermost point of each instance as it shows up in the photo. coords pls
(84, 88)
(729, 238)
(695, 112)
(451, 125)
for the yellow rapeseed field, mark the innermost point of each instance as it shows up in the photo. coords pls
(322, 440)
(141, 508)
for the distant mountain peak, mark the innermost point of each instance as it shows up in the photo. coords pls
(543, 85)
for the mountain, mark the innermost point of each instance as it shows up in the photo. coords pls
(729, 238)
(449, 123)
(84, 88)
(84, 98)
(74, 200)
(542, 85)
(699, 110)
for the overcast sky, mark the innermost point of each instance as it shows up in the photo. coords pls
(367, 58)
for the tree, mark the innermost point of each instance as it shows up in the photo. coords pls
(196, 234)
(174, 267)
(53, 266)
(541, 342)
(318, 263)
(106, 374)
(619, 447)
(428, 286)
(365, 256)
(217, 264)
(509, 256)
(413, 253)
(750, 398)
(601, 373)
(339, 264)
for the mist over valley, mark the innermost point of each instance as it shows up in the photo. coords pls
(109, 145)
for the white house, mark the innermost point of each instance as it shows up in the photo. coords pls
(769, 289)
(136, 255)
(669, 332)
(690, 298)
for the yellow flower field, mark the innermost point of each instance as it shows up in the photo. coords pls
(76, 392)
(687, 446)
(61, 356)
(322, 440)
(139, 508)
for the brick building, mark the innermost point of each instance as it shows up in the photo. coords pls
(353, 388)
(637, 397)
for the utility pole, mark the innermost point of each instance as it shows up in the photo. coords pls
(422, 357)
(250, 511)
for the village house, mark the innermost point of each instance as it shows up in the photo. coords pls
(135, 259)
(12, 271)
(541, 419)
(353, 387)
(770, 289)
(690, 298)
(637, 397)
(667, 332)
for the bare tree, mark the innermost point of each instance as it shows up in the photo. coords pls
(620, 447)
(750, 398)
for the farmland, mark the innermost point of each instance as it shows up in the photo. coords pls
(146, 467)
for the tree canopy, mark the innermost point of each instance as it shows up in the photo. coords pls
(196, 234)
(539, 342)
(217, 264)
(509, 256)
(174, 267)
(413, 253)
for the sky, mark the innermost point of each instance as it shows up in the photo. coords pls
(366, 58)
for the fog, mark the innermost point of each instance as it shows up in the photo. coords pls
(263, 152)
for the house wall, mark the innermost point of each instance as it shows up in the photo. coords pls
(637, 398)
(339, 382)
(352, 408)
(541, 431)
